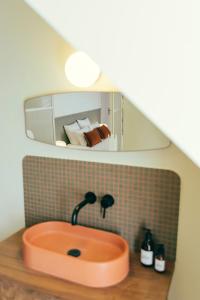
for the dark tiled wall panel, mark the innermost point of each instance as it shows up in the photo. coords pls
(143, 197)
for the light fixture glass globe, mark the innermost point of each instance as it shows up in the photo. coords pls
(81, 70)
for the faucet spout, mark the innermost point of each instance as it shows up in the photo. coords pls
(90, 198)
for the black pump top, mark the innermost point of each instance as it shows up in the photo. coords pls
(148, 234)
(160, 250)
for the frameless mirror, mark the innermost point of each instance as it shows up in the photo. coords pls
(104, 121)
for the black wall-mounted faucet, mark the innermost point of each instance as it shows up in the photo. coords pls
(90, 198)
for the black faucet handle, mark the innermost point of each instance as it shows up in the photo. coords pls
(106, 201)
(90, 197)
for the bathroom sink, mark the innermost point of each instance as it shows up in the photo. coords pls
(79, 254)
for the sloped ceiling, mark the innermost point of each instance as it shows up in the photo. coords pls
(150, 50)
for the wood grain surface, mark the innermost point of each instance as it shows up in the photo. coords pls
(19, 283)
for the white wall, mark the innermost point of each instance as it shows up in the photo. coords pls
(32, 59)
(150, 49)
(74, 103)
(32, 63)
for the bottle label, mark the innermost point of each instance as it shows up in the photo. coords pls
(146, 257)
(159, 265)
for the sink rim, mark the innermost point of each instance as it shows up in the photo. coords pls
(27, 242)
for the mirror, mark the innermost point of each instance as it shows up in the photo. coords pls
(104, 121)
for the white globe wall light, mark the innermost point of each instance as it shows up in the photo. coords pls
(81, 70)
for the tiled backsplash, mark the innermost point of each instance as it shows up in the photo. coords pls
(144, 197)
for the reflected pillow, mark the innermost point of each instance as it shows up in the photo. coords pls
(72, 126)
(92, 137)
(76, 137)
(95, 125)
(104, 131)
(84, 123)
(81, 137)
(70, 129)
(72, 136)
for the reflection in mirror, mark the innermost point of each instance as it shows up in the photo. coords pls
(104, 121)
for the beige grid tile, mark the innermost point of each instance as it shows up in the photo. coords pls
(143, 197)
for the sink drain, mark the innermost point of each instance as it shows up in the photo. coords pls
(74, 252)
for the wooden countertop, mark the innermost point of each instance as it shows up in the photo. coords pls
(15, 280)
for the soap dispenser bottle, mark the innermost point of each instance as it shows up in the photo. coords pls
(147, 249)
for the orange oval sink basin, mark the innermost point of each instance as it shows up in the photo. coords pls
(83, 255)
